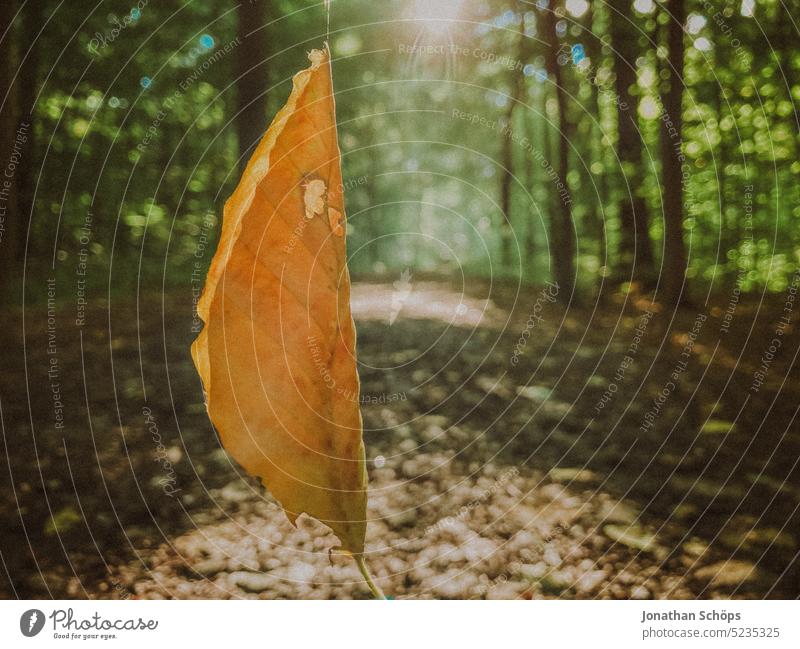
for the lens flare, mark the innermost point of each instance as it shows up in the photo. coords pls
(437, 14)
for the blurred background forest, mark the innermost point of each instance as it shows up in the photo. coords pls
(538, 145)
(574, 230)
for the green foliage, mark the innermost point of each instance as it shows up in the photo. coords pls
(136, 106)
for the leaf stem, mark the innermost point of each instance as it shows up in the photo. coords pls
(377, 593)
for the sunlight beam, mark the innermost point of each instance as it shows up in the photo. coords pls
(437, 14)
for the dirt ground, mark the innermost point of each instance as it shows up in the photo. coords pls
(516, 449)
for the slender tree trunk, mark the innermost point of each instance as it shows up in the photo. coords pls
(635, 254)
(526, 53)
(506, 179)
(10, 221)
(729, 235)
(29, 69)
(672, 159)
(507, 149)
(252, 82)
(597, 149)
(369, 222)
(562, 227)
(530, 181)
(548, 151)
(786, 47)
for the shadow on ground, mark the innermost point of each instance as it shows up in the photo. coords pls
(515, 449)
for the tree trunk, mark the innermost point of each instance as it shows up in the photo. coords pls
(562, 227)
(636, 255)
(10, 221)
(29, 70)
(530, 182)
(786, 46)
(548, 151)
(506, 178)
(252, 82)
(507, 150)
(597, 149)
(672, 160)
(728, 227)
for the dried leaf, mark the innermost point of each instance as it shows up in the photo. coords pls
(277, 354)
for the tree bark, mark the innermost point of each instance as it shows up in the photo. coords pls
(506, 179)
(672, 160)
(29, 70)
(252, 81)
(507, 149)
(562, 235)
(635, 253)
(10, 221)
(530, 182)
(596, 149)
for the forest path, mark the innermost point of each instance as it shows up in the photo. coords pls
(494, 470)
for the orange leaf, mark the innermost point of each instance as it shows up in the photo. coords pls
(277, 353)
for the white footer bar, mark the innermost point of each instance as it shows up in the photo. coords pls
(400, 624)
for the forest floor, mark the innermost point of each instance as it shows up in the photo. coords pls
(515, 449)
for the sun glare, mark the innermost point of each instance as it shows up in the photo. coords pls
(438, 14)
